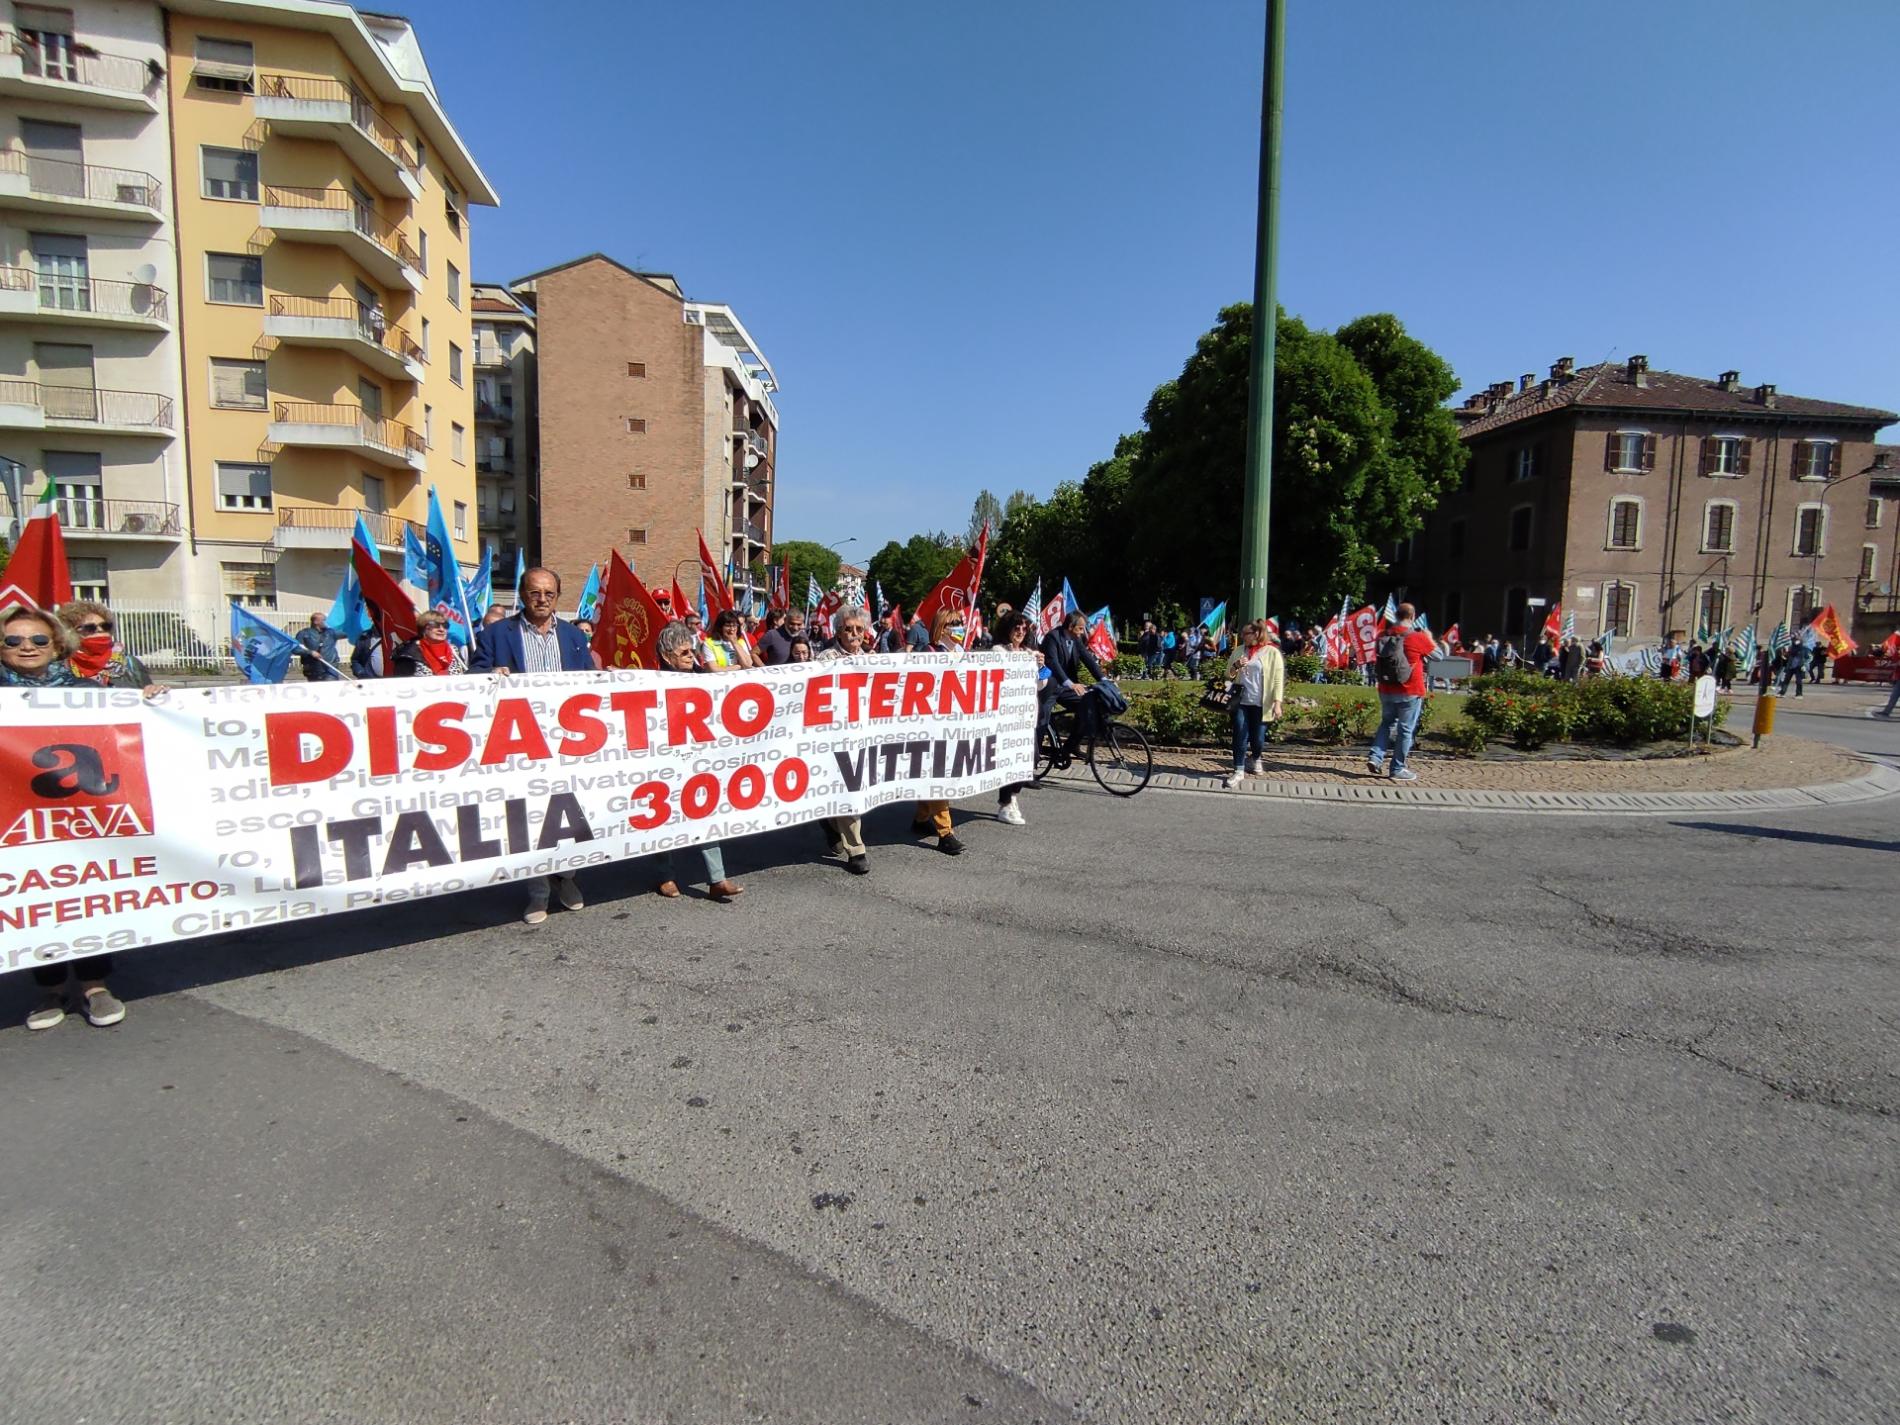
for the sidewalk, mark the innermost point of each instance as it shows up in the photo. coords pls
(1787, 772)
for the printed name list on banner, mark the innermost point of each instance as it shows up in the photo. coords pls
(126, 824)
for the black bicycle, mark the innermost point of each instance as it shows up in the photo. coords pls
(1116, 753)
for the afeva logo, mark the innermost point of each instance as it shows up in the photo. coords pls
(73, 783)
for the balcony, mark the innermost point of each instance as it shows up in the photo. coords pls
(749, 531)
(37, 64)
(331, 110)
(81, 517)
(28, 405)
(329, 527)
(82, 301)
(344, 324)
(489, 353)
(309, 426)
(487, 410)
(78, 190)
(333, 217)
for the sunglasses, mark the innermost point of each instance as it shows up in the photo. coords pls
(38, 640)
(95, 628)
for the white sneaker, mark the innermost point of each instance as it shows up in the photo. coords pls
(1234, 779)
(1010, 814)
(1253, 766)
(568, 891)
(537, 910)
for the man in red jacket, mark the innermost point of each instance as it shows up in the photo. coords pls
(1402, 651)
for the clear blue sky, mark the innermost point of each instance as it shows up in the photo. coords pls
(973, 239)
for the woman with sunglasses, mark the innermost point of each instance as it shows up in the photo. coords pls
(101, 658)
(678, 654)
(429, 654)
(34, 649)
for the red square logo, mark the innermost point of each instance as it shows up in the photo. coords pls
(73, 783)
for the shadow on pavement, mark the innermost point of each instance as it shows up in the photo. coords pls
(1778, 833)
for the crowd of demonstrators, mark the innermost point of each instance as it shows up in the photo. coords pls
(1256, 675)
(70, 647)
(1402, 651)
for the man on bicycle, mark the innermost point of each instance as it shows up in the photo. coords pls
(1065, 652)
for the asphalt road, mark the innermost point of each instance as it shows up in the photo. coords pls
(1193, 1108)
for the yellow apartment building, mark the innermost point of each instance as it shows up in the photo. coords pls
(323, 294)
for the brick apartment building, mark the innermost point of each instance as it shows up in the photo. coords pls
(1646, 501)
(656, 422)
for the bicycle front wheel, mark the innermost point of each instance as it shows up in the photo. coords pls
(1121, 760)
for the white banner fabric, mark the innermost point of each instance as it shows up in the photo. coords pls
(126, 824)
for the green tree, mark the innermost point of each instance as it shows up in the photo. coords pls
(1350, 472)
(988, 510)
(910, 570)
(810, 560)
(1018, 501)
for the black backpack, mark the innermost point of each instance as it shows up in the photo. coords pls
(1393, 665)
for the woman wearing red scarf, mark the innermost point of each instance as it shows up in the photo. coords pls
(429, 654)
(101, 659)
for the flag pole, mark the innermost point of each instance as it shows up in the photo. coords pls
(1257, 502)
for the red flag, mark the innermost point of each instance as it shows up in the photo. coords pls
(680, 608)
(390, 610)
(37, 573)
(1363, 630)
(627, 629)
(1337, 645)
(957, 590)
(827, 606)
(1827, 625)
(1050, 616)
(782, 585)
(1102, 638)
(1554, 623)
(718, 592)
(1451, 638)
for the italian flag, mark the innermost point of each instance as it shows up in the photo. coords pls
(37, 573)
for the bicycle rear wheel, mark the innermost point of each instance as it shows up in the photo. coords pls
(1121, 760)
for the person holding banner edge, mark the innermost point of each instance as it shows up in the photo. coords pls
(678, 648)
(844, 835)
(933, 818)
(535, 641)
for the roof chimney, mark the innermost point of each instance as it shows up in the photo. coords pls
(1639, 370)
(1883, 459)
(1731, 380)
(1765, 394)
(1524, 381)
(1564, 369)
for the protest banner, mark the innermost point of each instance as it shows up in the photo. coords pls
(127, 823)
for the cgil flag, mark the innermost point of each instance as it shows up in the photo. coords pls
(263, 653)
(1826, 629)
(392, 616)
(715, 594)
(627, 631)
(957, 590)
(1101, 635)
(37, 572)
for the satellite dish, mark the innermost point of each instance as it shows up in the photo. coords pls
(147, 274)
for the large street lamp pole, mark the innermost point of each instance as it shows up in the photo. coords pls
(1257, 503)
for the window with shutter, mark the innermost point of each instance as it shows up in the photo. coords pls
(1630, 450)
(234, 279)
(229, 173)
(1718, 528)
(1625, 517)
(1619, 609)
(1648, 456)
(1873, 513)
(1814, 460)
(1869, 560)
(1712, 609)
(455, 363)
(243, 487)
(457, 437)
(89, 579)
(252, 585)
(226, 65)
(238, 385)
(1807, 530)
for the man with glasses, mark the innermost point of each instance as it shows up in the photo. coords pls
(535, 641)
(844, 835)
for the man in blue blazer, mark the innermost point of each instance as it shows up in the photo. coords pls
(535, 641)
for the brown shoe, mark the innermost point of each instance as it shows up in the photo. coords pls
(725, 891)
(669, 889)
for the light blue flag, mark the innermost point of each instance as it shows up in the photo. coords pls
(415, 556)
(1213, 615)
(1779, 641)
(521, 572)
(589, 606)
(1390, 613)
(447, 596)
(349, 615)
(1745, 648)
(1070, 604)
(1423, 625)
(263, 653)
(481, 587)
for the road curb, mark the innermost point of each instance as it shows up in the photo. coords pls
(1879, 781)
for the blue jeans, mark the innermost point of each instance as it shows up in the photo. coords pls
(665, 863)
(1892, 698)
(1398, 723)
(1250, 733)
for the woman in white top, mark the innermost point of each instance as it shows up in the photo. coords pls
(1258, 675)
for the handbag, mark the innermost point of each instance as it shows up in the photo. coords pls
(1219, 697)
